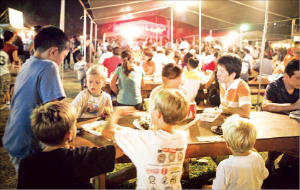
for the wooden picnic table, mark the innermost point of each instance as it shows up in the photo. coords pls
(275, 132)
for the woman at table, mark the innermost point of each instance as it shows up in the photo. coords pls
(130, 79)
(148, 64)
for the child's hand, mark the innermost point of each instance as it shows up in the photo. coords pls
(106, 113)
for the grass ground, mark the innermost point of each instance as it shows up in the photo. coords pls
(200, 174)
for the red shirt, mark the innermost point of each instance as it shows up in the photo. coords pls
(111, 64)
(210, 66)
(9, 49)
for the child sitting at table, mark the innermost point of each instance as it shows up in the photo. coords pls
(157, 155)
(93, 102)
(192, 79)
(245, 169)
(171, 77)
(80, 67)
(61, 166)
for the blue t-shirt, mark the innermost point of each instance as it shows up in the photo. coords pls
(130, 87)
(37, 83)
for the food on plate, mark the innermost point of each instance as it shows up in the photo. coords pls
(97, 129)
(143, 123)
(214, 111)
(217, 129)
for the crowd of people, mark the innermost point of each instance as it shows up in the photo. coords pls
(39, 130)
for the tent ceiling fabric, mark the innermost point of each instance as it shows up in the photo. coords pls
(216, 15)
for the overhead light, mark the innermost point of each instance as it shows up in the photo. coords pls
(244, 27)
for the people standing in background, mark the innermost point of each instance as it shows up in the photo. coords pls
(12, 52)
(80, 67)
(31, 47)
(90, 51)
(4, 77)
(107, 54)
(19, 44)
(76, 47)
(68, 57)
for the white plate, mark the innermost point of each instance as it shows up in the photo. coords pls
(295, 114)
(88, 127)
(136, 123)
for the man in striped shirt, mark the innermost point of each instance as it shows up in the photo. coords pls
(234, 92)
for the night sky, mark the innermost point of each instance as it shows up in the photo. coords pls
(45, 12)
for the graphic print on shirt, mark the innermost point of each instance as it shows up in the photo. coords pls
(92, 108)
(167, 171)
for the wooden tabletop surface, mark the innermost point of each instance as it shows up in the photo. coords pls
(275, 131)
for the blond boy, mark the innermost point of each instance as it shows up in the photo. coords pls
(93, 102)
(245, 169)
(61, 166)
(157, 155)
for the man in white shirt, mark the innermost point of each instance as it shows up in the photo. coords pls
(108, 54)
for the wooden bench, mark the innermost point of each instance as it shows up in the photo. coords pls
(255, 91)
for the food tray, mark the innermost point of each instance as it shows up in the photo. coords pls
(209, 114)
(88, 127)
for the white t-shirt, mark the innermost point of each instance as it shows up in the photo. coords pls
(104, 56)
(157, 155)
(159, 63)
(88, 106)
(80, 68)
(4, 62)
(241, 172)
(191, 80)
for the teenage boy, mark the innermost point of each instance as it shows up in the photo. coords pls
(234, 92)
(38, 82)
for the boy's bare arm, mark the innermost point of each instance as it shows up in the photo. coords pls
(110, 127)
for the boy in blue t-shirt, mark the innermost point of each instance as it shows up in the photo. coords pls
(38, 82)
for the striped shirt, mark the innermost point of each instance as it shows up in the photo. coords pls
(236, 95)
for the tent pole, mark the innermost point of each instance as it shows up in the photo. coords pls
(172, 27)
(84, 35)
(96, 37)
(292, 31)
(91, 42)
(262, 52)
(62, 27)
(210, 34)
(200, 12)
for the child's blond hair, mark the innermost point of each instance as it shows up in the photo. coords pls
(52, 121)
(98, 70)
(240, 133)
(173, 105)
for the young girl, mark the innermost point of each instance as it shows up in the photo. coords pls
(171, 77)
(130, 79)
(93, 101)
